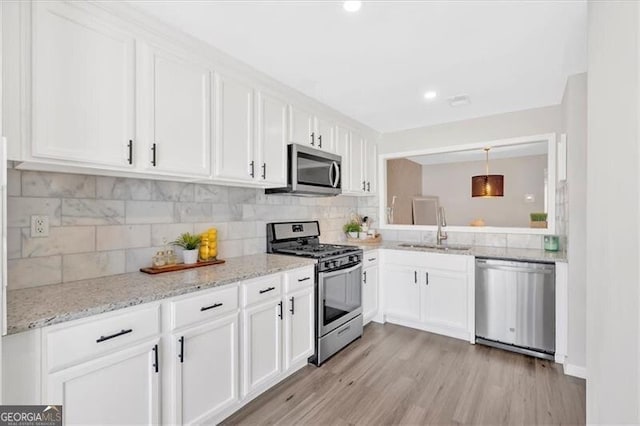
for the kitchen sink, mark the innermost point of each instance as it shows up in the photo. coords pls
(443, 247)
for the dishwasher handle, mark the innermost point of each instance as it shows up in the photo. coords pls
(542, 269)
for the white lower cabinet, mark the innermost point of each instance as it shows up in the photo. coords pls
(429, 291)
(206, 367)
(119, 388)
(402, 292)
(262, 342)
(192, 359)
(370, 291)
(277, 329)
(299, 323)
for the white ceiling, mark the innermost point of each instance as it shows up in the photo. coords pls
(376, 64)
(506, 151)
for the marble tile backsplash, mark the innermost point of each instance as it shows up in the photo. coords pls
(102, 226)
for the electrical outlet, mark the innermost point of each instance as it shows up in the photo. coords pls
(39, 226)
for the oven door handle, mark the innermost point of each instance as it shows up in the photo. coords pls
(339, 271)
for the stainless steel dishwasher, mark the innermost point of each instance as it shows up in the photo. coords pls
(516, 306)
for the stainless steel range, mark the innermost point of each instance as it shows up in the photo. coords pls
(338, 283)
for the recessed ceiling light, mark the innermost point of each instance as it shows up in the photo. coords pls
(430, 94)
(352, 6)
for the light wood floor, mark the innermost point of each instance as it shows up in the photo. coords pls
(397, 375)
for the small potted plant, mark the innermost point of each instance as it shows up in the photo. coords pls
(189, 242)
(538, 220)
(352, 228)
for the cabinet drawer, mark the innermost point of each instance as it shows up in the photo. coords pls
(70, 344)
(299, 278)
(370, 258)
(203, 306)
(261, 289)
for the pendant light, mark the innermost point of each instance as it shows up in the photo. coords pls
(487, 185)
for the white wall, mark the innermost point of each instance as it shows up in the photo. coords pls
(613, 219)
(574, 106)
(501, 126)
(452, 184)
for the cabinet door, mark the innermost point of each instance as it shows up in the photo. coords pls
(369, 293)
(357, 182)
(121, 388)
(342, 144)
(234, 131)
(444, 299)
(371, 161)
(272, 139)
(206, 370)
(299, 323)
(402, 292)
(262, 344)
(324, 131)
(83, 87)
(180, 114)
(302, 128)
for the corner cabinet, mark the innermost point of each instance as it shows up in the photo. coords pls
(83, 87)
(430, 291)
(178, 112)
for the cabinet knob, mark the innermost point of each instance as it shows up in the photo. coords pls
(264, 170)
(313, 139)
(252, 166)
(319, 141)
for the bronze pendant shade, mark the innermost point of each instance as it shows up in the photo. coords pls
(487, 185)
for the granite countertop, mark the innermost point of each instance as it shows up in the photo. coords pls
(42, 306)
(534, 255)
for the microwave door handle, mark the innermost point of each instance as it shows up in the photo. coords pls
(336, 181)
(331, 175)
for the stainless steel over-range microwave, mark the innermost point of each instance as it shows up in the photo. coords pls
(311, 172)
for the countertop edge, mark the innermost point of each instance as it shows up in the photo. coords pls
(22, 326)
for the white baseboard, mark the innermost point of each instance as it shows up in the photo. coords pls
(575, 371)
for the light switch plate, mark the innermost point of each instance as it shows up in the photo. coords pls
(39, 226)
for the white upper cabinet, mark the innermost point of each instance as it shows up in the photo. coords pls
(371, 160)
(324, 130)
(302, 124)
(357, 183)
(361, 165)
(308, 129)
(233, 153)
(342, 144)
(271, 144)
(179, 117)
(83, 87)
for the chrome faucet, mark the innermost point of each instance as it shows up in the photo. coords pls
(441, 235)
